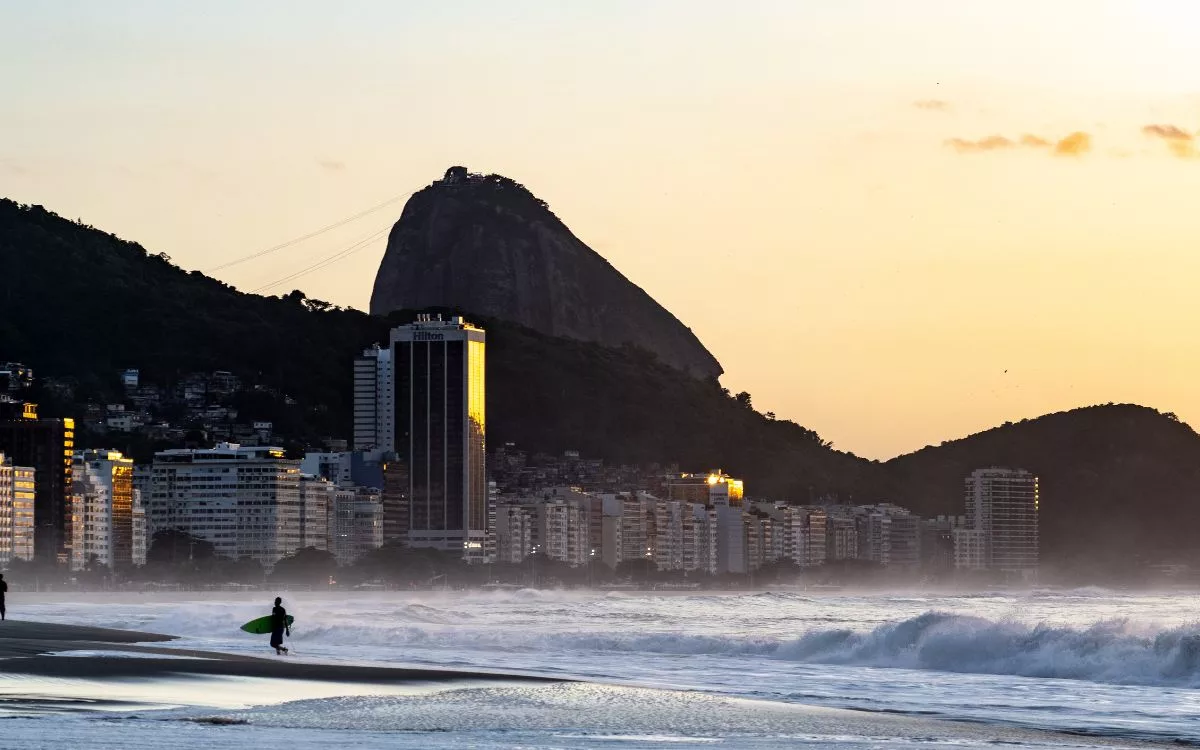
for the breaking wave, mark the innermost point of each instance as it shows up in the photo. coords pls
(1111, 651)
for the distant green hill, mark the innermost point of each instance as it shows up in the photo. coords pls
(1116, 481)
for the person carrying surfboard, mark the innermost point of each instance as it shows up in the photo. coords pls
(279, 626)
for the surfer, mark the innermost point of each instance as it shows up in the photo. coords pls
(3, 591)
(279, 626)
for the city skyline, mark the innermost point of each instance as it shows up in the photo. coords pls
(949, 218)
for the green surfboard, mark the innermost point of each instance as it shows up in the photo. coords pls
(262, 625)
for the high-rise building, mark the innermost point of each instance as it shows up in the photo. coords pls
(47, 446)
(1002, 504)
(244, 500)
(700, 538)
(800, 536)
(24, 497)
(561, 531)
(316, 503)
(141, 537)
(6, 511)
(669, 534)
(968, 548)
(637, 541)
(102, 519)
(719, 491)
(811, 551)
(841, 538)
(396, 508)
(374, 394)
(937, 542)
(904, 539)
(731, 541)
(432, 383)
(874, 535)
(514, 533)
(759, 536)
(16, 512)
(355, 523)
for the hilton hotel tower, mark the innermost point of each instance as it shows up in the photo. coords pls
(422, 399)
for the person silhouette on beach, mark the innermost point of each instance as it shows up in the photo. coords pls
(3, 591)
(279, 626)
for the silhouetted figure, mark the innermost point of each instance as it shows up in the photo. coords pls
(3, 591)
(279, 626)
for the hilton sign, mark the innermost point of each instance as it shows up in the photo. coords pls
(424, 336)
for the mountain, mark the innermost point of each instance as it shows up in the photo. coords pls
(487, 245)
(1115, 481)
(79, 303)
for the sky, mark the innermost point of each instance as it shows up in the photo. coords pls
(894, 223)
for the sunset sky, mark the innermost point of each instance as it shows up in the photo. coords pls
(893, 222)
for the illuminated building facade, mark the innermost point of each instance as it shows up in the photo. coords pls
(244, 500)
(721, 492)
(16, 511)
(715, 489)
(102, 511)
(47, 446)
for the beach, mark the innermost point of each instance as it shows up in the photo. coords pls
(38, 649)
(579, 670)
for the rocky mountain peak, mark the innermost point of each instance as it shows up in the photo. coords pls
(486, 245)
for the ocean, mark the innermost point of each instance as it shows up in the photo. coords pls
(772, 669)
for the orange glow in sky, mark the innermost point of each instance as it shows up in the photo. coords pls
(894, 223)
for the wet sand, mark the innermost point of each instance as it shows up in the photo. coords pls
(28, 648)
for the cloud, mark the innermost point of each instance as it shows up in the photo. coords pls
(932, 105)
(1167, 132)
(991, 143)
(1181, 142)
(1072, 145)
(1075, 144)
(331, 165)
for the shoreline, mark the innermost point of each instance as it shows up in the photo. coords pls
(154, 677)
(34, 648)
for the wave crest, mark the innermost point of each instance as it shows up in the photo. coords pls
(1115, 651)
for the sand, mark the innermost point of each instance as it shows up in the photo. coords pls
(28, 648)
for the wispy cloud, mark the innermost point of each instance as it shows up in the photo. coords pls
(1075, 144)
(990, 143)
(331, 165)
(932, 105)
(1179, 141)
